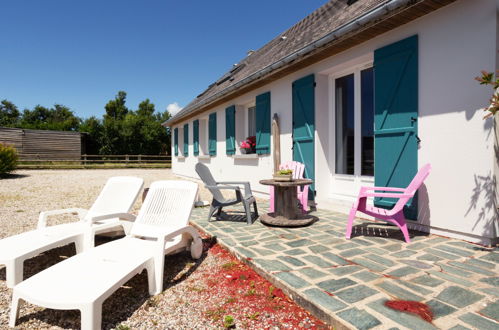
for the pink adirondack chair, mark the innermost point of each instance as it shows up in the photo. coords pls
(302, 195)
(394, 215)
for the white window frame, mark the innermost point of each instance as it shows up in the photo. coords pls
(181, 140)
(203, 137)
(241, 136)
(247, 118)
(346, 186)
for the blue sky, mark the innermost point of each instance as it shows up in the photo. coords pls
(81, 53)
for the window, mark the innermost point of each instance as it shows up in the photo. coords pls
(345, 125)
(179, 141)
(245, 126)
(367, 118)
(354, 123)
(203, 136)
(251, 121)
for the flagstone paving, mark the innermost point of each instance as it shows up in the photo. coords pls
(347, 282)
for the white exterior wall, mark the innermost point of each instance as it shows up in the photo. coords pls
(455, 44)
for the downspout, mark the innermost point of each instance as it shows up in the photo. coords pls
(368, 17)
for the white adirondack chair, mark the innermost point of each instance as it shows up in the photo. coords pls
(84, 281)
(115, 200)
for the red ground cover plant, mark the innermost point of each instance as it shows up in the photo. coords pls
(250, 301)
(414, 307)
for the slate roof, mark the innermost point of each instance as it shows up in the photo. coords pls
(324, 20)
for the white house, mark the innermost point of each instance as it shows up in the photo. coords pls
(366, 92)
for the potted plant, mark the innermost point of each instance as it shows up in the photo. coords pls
(284, 175)
(248, 146)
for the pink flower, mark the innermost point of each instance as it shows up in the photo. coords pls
(250, 142)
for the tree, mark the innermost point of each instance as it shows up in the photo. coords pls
(142, 131)
(116, 109)
(146, 108)
(9, 114)
(112, 141)
(58, 118)
(93, 127)
(120, 131)
(166, 134)
(63, 119)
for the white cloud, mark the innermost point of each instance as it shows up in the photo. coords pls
(173, 108)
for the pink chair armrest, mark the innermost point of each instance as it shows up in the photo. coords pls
(387, 195)
(383, 189)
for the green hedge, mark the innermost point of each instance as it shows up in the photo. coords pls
(8, 159)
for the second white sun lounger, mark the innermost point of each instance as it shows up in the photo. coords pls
(115, 201)
(84, 281)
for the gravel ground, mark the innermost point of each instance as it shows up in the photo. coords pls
(181, 306)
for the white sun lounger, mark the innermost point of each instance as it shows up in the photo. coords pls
(115, 200)
(84, 281)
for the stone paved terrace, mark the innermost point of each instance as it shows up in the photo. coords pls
(346, 283)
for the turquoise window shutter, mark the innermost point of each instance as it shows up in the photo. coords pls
(395, 118)
(303, 106)
(195, 137)
(175, 141)
(212, 134)
(263, 123)
(186, 140)
(230, 130)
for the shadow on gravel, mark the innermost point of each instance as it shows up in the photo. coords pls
(13, 176)
(128, 299)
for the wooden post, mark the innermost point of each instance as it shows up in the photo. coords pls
(277, 142)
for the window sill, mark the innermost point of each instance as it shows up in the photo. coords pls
(180, 157)
(204, 156)
(245, 156)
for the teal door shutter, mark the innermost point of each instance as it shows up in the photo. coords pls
(186, 140)
(195, 137)
(395, 119)
(175, 141)
(212, 134)
(230, 130)
(263, 123)
(304, 126)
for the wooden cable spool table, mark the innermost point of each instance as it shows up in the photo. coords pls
(286, 211)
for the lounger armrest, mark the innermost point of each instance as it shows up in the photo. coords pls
(121, 216)
(387, 195)
(187, 229)
(42, 218)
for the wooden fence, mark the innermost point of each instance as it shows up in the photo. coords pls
(100, 161)
(43, 145)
